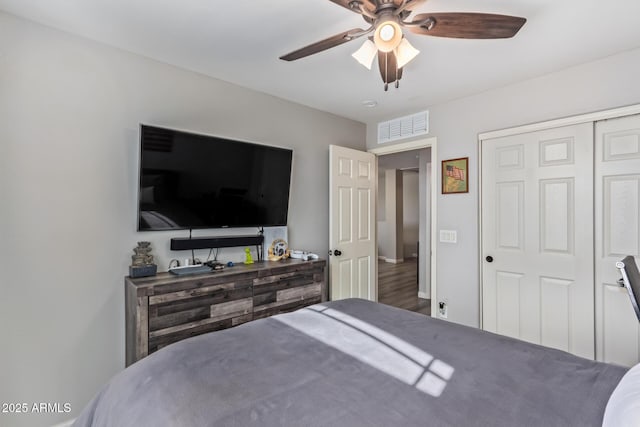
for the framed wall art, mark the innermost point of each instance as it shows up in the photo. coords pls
(455, 176)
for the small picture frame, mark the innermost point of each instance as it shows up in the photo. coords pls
(455, 176)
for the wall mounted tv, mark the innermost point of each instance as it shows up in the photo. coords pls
(196, 181)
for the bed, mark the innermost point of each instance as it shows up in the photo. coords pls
(358, 363)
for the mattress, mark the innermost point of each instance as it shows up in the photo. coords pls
(355, 363)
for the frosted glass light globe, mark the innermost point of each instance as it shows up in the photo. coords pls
(387, 32)
(388, 36)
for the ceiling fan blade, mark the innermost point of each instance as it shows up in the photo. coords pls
(468, 25)
(368, 4)
(406, 7)
(325, 44)
(408, 4)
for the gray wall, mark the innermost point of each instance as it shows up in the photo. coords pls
(607, 83)
(69, 115)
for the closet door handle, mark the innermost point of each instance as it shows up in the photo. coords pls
(489, 258)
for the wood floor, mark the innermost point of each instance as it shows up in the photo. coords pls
(397, 286)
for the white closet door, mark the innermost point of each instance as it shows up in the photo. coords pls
(537, 225)
(617, 192)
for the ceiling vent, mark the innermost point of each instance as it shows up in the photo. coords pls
(403, 127)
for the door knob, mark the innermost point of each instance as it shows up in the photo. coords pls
(337, 252)
(489, 258)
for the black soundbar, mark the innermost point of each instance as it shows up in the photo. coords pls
(186, 243)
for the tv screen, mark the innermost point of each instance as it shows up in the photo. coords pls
(197, 181)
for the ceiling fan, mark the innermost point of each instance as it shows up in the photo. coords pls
(386, 18)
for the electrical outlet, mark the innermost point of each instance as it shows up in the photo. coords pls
(442, 309)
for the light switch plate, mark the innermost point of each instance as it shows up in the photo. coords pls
(449, 236)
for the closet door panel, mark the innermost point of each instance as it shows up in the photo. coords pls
(537, 227)
(617, 225)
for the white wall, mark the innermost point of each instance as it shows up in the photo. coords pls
(406, 218)
(607, 83)
(390, 230)
(425, 177)
(383, 226)
(69, 115)
(410, 213)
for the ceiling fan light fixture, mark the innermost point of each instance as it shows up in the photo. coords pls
(387, 18)
(366, 53)
(405, 52)
(388, 35)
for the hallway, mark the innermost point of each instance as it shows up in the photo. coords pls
(397, 286)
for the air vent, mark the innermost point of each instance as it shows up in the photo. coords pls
(403, 127)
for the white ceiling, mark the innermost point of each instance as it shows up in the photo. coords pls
(240, 41)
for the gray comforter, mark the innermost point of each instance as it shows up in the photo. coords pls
(355, 363)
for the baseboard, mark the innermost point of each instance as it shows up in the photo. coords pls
(423, 295)
(67, 423)
(391, 260)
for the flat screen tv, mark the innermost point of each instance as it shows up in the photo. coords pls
(197, 181)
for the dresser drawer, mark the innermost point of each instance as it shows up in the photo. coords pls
(281, 293)
(174, 316)
(228, 314)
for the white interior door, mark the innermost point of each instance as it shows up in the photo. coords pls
(537, 229)
(617, 192)
(352, 221)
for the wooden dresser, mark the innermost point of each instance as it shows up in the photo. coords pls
(166, 308)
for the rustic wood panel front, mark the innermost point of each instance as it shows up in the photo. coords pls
(175, 309)
(163, 309)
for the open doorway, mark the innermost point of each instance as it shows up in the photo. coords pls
(404, 229)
